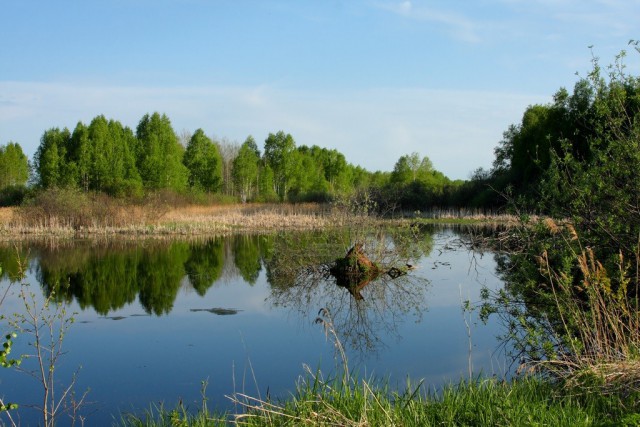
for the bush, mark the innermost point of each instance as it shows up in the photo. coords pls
(13, 195)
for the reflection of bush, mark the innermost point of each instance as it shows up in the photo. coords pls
(365, 302)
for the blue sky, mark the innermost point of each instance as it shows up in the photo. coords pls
(374, 79)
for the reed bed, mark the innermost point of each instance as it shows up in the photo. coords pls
(71, 214)
(152, 220)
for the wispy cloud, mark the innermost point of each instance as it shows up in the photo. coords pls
(457, 26)
(600, 17)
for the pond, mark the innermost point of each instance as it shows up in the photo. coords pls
(154, 319)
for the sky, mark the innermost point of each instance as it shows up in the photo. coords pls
(373, 79)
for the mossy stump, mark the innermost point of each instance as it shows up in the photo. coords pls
(354, 271)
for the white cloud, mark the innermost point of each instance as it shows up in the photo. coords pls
(405, 7)
(456, 25)
(457, 130)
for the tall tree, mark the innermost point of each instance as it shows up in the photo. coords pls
(14, 166)
(228, 150)
(204, 163)
(411, 168)
(102, 146)
(159, 154)
(125, 179)
(50, 161)
(279, 154)
(245, 169)
(81, 152)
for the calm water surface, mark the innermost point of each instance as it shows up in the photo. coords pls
(155, 319)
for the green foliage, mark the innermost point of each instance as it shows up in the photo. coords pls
(106, 157)
(281, 156)
(413, 185)
(111, 165)
(246, 170)
(577, 153)
(13, 195)
(5, 361)
(203, 162)
(571, 283)
(159, 154)
(49, 159)
(97, 157)
(14, 166)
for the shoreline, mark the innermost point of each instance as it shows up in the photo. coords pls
(196, 220)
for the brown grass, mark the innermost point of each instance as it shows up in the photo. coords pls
(6, 214)
(105, 217)
(184, 220)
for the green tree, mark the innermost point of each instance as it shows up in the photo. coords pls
(159, 154)
(50, 158)
(411, 168)
(245, 169)
(125, 179)
(415, 184)
(14, 166)
(102, 146)
(266, 186)
(80, 152)
(279, 154)
(204, 163)
(308, 181)
(598, 185)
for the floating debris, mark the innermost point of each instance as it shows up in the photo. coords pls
(217, 310)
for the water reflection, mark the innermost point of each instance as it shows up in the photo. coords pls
(107, 277)
(110, 276)
(303, 278)
(251, 298)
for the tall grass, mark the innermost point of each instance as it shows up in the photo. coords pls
(601, 323)
(69, 212)
(482, 402)
(72, 212)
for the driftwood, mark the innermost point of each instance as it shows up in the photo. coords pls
(355, 271)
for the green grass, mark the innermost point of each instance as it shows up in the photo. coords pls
(522, 402)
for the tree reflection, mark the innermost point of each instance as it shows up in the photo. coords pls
(108, 276)
(159, 274)
(300, 274)
(249, 252)
(204, 265)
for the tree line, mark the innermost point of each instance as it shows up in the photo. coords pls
(107, 157)
(589, 129)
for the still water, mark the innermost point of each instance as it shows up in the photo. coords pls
(154, 319)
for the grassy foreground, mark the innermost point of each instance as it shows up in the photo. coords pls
(484, 402)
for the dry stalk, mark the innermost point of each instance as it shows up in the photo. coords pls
(602, 322)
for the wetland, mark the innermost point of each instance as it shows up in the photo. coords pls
(155, 318)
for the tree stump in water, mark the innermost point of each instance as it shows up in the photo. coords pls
(355, 271)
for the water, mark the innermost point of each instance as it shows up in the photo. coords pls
(157, 318)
